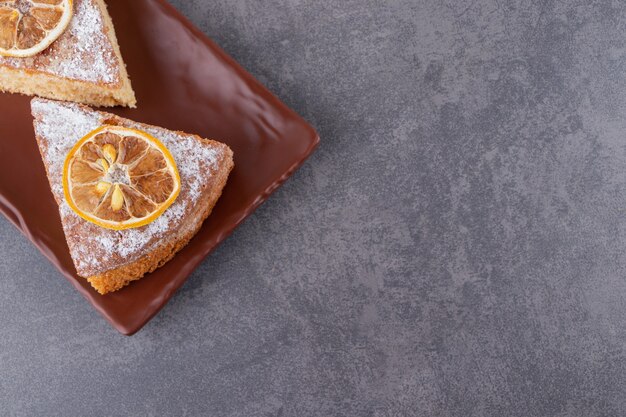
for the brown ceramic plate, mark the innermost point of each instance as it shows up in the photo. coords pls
(183, 82)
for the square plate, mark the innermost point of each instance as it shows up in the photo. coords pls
(183, 82)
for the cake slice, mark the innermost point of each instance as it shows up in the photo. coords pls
(83, 65)
(110, 259)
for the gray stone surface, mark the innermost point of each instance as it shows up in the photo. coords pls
(454, 248)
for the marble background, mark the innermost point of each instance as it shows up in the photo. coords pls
(454, 248)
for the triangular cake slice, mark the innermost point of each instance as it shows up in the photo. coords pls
(111, 259)
(83, 65)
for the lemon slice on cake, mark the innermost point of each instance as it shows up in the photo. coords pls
(120, 178)
(27, 27)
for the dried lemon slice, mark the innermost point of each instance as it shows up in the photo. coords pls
(27, 27)
(120, 178)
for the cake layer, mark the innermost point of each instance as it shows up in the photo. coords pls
(84, 64)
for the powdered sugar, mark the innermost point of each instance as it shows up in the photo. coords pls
(68, 122)
(195, 158)
(95, 250)
(83, 52)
